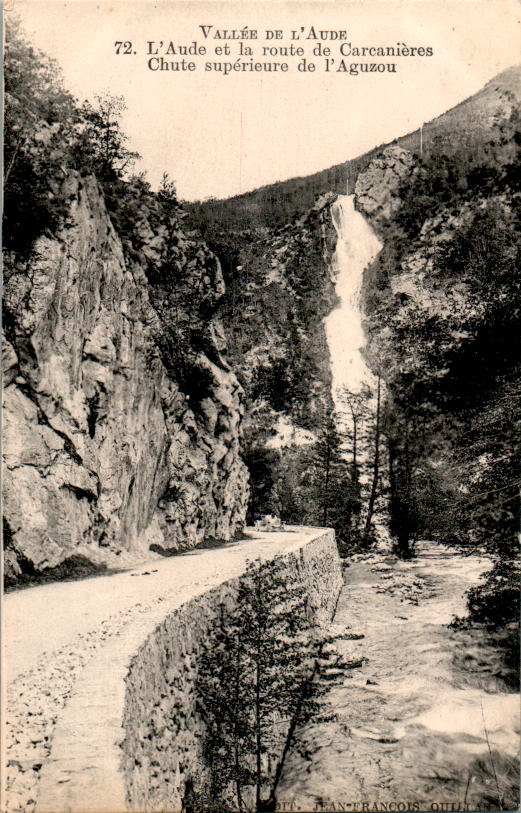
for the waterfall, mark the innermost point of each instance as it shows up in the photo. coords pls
(357, 246)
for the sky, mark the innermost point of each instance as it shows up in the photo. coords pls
(219, 135)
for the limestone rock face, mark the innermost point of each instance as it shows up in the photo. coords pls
(103, 452)
(377, 187)
(279, 290)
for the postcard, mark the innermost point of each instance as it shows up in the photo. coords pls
(261, 370)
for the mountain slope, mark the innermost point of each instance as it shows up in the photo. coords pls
(276, 203)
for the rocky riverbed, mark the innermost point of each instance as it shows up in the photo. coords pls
(417, 715)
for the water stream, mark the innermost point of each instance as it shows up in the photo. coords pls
(415, 716)
(357, 246)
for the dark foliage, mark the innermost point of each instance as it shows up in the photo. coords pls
(48, 137)
(451, 359)
(261, 464)
(455, 376)
(496, 602)
(48, 134)
(275, 383)
(255, 685)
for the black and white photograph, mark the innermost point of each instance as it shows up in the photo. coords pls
(261, 406)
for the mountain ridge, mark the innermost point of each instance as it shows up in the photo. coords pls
(260, 207)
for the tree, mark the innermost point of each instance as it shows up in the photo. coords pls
(255, 683)
(354, 418)
(102, 144)
(375, 464)
(401, 523)
(47, 135)
(333, 484)
(361, 425)
(39, 128)
(449, 345)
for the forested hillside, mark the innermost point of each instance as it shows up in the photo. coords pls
(443, 315)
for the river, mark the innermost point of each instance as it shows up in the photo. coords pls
(414, 715)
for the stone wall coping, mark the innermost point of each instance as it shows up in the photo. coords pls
(82, 773)
(61, 610)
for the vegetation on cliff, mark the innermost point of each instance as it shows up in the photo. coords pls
(48, 136)
(443, 304)
(116, 371)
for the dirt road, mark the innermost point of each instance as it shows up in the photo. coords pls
(52, 632)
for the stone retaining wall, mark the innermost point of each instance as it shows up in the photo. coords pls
(131, 737)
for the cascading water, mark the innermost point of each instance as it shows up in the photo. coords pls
(357, 246)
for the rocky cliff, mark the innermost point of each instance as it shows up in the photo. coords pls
(443, 316)
(108, 453)
(279, 288)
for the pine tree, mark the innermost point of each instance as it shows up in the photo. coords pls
(256, 682)
(374, 463)
(330, 477)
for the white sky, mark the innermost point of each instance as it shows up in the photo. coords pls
(216, 135)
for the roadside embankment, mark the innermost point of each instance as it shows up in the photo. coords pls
(101, 702)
